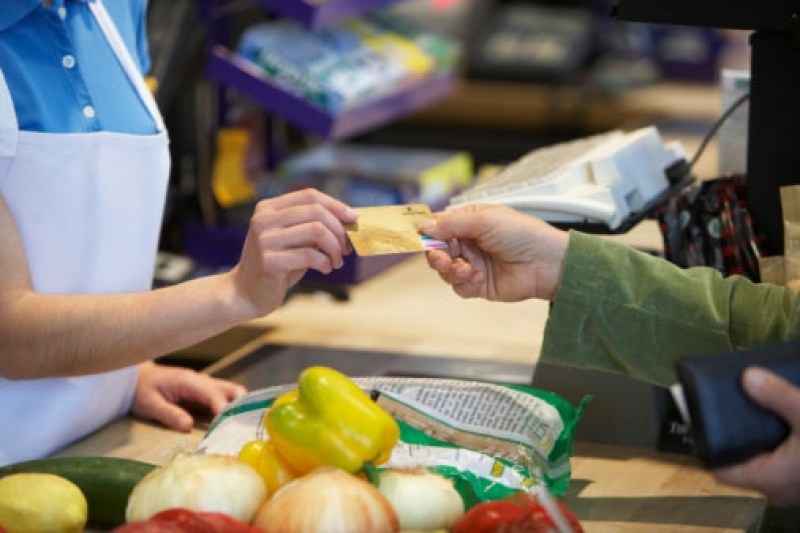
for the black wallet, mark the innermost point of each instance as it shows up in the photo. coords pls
(727, 426)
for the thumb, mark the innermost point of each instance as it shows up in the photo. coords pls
(774, 393)
(459, 224)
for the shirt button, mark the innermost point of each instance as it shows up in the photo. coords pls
(88, 111)
(68, 61)
(62, 12)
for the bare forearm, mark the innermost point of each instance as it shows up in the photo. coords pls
(59, 335)
(47, 335)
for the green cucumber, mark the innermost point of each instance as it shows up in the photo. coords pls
(105, 481)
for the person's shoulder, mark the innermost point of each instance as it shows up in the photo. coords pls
(130, 17)
(133, 12)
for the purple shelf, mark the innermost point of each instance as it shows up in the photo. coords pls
(325, 12)
(238, 73)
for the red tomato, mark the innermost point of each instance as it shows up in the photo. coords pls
(489, 517)
(187, 519)
(530, 502)
(520, 513)
(145, 526)
(180, 520)
(222, 523)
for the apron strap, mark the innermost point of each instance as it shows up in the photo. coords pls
(9, 129)
(123, 55)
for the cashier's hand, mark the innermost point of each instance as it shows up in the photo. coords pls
(497, 253)
(775, 474)
(287, 236)
(163, 391)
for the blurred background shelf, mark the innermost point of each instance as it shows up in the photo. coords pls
(237, 73)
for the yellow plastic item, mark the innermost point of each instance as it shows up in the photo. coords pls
(447, 178)
(229, 180)
(404, 52)
(41, 503)
(330, 421)
(152, 83)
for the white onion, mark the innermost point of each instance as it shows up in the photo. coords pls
(423, 500)
(216, 483)
(327, 500)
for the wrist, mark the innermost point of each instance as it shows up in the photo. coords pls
(552, 273)
(238, 298)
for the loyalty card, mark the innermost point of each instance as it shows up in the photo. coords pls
(391, 229)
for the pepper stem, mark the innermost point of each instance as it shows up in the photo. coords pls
(371, 472)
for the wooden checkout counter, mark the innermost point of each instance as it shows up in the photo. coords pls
(407, 311)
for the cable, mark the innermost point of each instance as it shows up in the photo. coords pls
(721, 120)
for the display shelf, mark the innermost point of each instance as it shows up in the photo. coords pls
(236, 72)
(321, 13)
(219, 246)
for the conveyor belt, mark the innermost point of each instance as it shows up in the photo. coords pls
(276, 364)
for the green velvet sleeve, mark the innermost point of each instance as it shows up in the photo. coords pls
(625, 311)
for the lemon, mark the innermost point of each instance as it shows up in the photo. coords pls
(41, 503)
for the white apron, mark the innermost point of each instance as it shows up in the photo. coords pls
(89, 208)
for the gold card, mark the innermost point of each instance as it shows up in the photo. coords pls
(391, 229)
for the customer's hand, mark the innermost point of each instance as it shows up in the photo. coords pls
(162, 392)
(288, 235)
(775, 474)
(497, 253)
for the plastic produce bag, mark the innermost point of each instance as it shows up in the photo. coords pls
(491, 439)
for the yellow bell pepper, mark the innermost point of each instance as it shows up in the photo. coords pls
(262, 457)
(330, 421)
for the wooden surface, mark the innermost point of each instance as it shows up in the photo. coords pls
(514, 105)
(408, 310)
(621, 489)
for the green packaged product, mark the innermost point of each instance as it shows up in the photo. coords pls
(491, 439)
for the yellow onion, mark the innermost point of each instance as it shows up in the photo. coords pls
(423, 500)
(214, 483)
(327, 500)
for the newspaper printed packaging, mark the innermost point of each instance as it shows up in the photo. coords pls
(491, 439)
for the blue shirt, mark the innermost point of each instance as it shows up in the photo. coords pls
(61, 72)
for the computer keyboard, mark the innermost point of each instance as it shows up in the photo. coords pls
(603, 179)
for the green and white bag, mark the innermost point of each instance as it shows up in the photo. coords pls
(491, 439)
